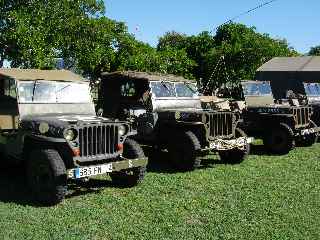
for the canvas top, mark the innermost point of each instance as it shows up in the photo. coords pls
(36, 74)
(146, 76)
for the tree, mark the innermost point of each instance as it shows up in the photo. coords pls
(314, 51)
(140, 56)
(197, 47)
(232, 54)
(35, 32)
(239, 51)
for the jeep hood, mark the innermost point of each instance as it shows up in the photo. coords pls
(61, 121)
(176, 103)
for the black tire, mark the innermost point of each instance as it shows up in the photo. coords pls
(134, 176)
(183, 149)
(281, 139)
(310, 139)
(46, 176)
(236, 155)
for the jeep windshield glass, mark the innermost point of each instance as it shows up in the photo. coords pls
(163, 89)
(312, 89)
(256, 89)
(186, 90)
(53, 92)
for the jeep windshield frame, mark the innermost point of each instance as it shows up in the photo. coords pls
(256, 89)
(179, 90)
(53, 92)
(312, 89)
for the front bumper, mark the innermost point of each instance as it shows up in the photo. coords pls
(225, 145)
(308, 131)
(94, 170)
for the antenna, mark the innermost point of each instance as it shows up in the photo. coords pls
(245, 13)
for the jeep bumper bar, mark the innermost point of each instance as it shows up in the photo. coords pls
(94, 170)
(308, 131)
(224, 145)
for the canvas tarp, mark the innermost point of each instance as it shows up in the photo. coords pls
(36, 74)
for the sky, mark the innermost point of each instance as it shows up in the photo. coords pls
(295, 20)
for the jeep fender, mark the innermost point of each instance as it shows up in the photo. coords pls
(61, 145)
(166, 130)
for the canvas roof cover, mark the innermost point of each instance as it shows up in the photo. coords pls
(36, 74)
(147, 76)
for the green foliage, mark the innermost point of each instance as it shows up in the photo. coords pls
(142, 57)
(241, 50)
(234, 53)
(314, 51)
(34, 32)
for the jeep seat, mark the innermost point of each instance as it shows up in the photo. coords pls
(8, 113)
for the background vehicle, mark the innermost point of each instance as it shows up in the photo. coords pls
(48, 125)
(279, 125)
(166, 112)
(294, 78)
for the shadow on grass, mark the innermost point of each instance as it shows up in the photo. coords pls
(14, 189)
(259, 150)
(91, 186)
(159, 161)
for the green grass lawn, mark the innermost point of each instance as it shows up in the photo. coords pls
(265, 197)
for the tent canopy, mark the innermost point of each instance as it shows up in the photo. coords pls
(289, 73)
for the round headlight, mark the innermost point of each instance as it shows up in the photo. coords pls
(122, 130)
(70, 134)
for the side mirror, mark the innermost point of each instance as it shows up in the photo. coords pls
(100, 112)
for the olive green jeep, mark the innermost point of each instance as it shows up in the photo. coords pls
(279, 125)
(49, 125)
(165, 111)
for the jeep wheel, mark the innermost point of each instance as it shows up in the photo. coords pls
(280, 140)
(236, 155)
(309, 139)
(183, 150)
(46, 175)
(130, 177)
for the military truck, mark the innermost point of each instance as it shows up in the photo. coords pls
(165, 111)
(279, 125)
(48, 125)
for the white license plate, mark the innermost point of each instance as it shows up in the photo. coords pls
(92, 171)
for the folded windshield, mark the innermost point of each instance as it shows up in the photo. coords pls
(53, 92)
(256, 89)
(312, 89)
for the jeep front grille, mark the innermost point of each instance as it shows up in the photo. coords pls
(302, 116)
(221, 124)
(98, 140)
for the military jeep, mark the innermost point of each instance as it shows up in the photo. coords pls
(49, 125)
(165, 111)
(279, 125)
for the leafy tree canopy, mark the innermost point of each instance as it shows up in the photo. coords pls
(314, 51)
(34, 33)
(232, 54)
